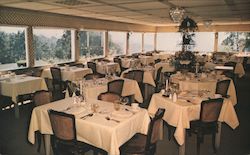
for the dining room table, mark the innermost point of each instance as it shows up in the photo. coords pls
(205, 82)
(16, 85)
(146, 60)
(104, 128)
(93, 88)
(70, 73)
(103, 67)
(186, 109)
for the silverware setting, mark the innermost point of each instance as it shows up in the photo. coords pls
(86, 116)
(110, 119)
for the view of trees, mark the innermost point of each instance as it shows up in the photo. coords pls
(91, 43)
(52, 49)
(235, 41)
(12, 47)
(56, 48)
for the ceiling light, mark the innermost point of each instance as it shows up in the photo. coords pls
(176, 14)
(188, 25)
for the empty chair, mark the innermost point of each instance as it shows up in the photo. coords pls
(222, 87)
(114, 91)
(141, 144)
(58, 84)
(207, 124)
(71, 88)
(119, 61)
(158, 80)
(41, 97)
(92, 65)
(64, 129)
(230, 73)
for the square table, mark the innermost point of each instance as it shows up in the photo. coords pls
(130, 87)
(180, 113)
(71, 73)
(96, 130)
(20, 85)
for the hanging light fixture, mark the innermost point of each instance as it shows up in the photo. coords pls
(177, 14)
(188, 25)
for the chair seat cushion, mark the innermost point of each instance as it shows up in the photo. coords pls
(136, 145)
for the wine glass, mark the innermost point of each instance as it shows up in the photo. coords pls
(124, 101)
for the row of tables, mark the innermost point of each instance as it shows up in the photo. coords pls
(110, 135)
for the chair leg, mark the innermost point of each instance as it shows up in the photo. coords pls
(198, 142)
(213, 142)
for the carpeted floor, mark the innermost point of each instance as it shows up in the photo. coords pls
(13, 135)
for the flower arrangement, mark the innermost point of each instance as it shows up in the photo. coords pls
(184, 60)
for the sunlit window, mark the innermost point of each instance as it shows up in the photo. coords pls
(52, 46)
(135, 42)
(12, 48)
(170, 42)
(148, 42)
(91, 44)
(117, 43)
(234, 41)
(204, 41)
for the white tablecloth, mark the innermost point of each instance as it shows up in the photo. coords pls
(129, 62)
(162, 55)
(180, 114)
(130, 87)
(110, 67)
(95, 130)
(74, 73)
(20, 85)
(145, 60)
(239, 69)
(205, 84)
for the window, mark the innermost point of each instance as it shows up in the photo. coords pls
(52, 46)
(204, 41)
(135, 42)
(234, 41)
(169, 41)
(91, 44)
(12, 48)
(117, 43)
(148, 42)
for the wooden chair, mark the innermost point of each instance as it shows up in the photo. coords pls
(207, 124)
(64, 141)
(222, 88)
(158, 80)
(114, 91)
(230, 73)
(92, 65)
(141, 144)
(58, 84)
(57, 94)
(41, 97)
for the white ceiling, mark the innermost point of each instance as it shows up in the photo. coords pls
(148, 12)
